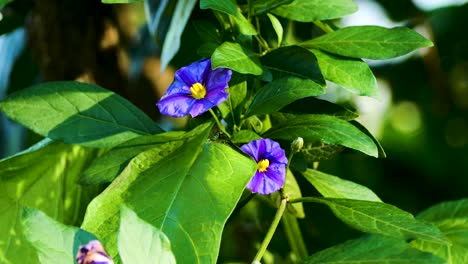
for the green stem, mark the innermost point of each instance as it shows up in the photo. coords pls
(306, 200)
(294, 236)
(220, 126)
(325, 27)
(271, 231)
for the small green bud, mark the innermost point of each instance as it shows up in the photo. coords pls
(297, 145)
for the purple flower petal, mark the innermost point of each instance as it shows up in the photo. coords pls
(93, 253)
(272, 179)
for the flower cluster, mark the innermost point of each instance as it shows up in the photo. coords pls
(93, 253)
(196, 89)
(271, 165)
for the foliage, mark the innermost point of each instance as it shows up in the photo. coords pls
(163, 195)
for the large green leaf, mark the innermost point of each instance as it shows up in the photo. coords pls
(140, 242)
(234, 56)
(372, 42)
(179, 20)
(281, 92)
(187, 191)
(108, 166)
(373, 249)
(293, 61)
(353, 74)
(320, 128)
(381, 218)
(43, 177)
(312, 105)
(230, 8)
(55, 243)
(313, 10)
(78, 113)
(263, 6)
(333, 187)
(452, 219)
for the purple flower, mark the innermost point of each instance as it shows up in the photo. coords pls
(196, 89)
(271, 165)
(93, 253)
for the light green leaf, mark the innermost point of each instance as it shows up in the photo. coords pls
(234, 56)
(281, 92)
(171, 44)
(55, 243)
(78, 113)
(108, 166)
(140, 242)
(372, 42)
(120, 1)
(232, 108)
(452, 219)
(43, 177)
(333, 187)
(318, 151)
(244, 136)
(277, 27)
(293, 61)
(263, 6)
(320, 128)
(187, 191)
(230, 8)
(373, 249)
(313, 10)
(381, 218)
(293, 191)
(352, 74)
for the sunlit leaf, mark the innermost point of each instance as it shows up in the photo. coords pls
(277, 27)
(313, 10)
(234, 56)
(229, 7)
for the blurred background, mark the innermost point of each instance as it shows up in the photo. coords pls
(420, 115)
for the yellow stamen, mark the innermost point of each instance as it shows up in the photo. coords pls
(263, 165)
(198, 91)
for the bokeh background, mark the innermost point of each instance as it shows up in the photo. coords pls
(420, 115)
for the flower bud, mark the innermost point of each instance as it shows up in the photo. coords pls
(297, 145)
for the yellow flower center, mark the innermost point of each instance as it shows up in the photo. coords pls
(198, 91)
(263, 165)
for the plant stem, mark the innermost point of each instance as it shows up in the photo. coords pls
(271, 231)
(294, 236)
(220, 126)
(326, 28)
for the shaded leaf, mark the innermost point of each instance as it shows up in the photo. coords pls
(234, 56)
(232, 108)
(371, 42)
(373, 249)
(78, 113)
(120, 1)
(263, 6)
(4, 2)
(230, 8)
(320, 128)
(187, 191)
(318, 152)
(55, 243)
(293, 191)
(312, 105)
(140, 242)
(334, 187)
(244, 136)
(313, 10)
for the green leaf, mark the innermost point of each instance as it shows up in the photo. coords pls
(187, 191)
(4, 2)
(179, 20)
(352, 74)
(207, 31)
(140, 242)
(277, 27)
(262, 6)
(43, 177)
(381, 218)
(234, 56)
(373, 249)
(312, 105)
(333, 187)
(294, 61)
(230, 8)
(232, 108)
(320, 128)
(108, 166)
(78, 113)
(372, 42)
(318, 152)
(55, 243)
(244, 136)
(120, 1)
(293, 191)
(313, 10)
(452, 219)
(281, 92)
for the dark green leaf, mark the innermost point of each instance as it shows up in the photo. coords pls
(78, 113)
(333, 187)
(320, 128)
(353, 74)
(142, 243)
(294, 61)
(234, 56)
(55, 243)
(120, 1)
(313, 152)
(233, 107)
(373, 249)
(364, 130)
(4, 2)
(43, 177)
(263, 6)
(313, 10)
(207, 49)
(372, 42)
(281, 92)
(452, 219)
(187, 191)
(244, 136)
(230, 8)
(312, 105)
